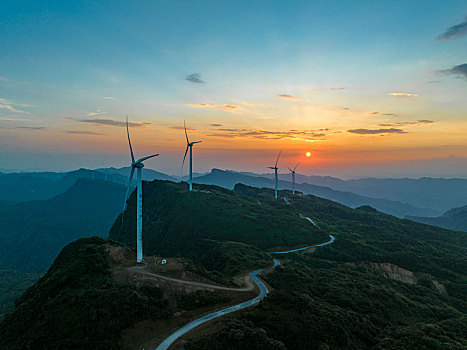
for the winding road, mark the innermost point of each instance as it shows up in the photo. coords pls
(263, 291)
(144, 270)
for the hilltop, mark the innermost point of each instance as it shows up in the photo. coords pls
(79, 304)
(218, 228)
(95, 297)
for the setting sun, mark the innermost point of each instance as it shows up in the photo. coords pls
(308, 154)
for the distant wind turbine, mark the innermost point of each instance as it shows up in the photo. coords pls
(190, 146)
(138, 165)
(293, 177)
(275, 173)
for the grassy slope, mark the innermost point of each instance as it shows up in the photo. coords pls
(202, 225)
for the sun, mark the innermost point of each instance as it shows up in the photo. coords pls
(308, 154)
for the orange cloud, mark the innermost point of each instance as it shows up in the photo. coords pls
(402, 94)
(222, 107)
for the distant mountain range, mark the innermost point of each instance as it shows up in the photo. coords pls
(229, 179)
(454, 219)
(21, 187)
(437, 194)
(32, 233)
(424, 197)
(147, 174)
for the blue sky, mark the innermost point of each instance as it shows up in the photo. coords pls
(65, 62)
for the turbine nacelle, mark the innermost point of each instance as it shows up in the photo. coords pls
(139, 162)
(293, 170)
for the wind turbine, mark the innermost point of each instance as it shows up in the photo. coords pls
(138, 165)
(293, 177)
(275, 173)
(190, 146)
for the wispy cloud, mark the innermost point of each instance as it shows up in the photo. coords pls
(402, 94)
(179, 127)
(110, 122)
(78, 132)
(460, 70)
(417, 122)
(377, 131)
(108, 98)
(32, 128)
(288, 97)
(454, 32)
(96, 113)
(216, 125)
(329, 89)
(11, 107)
(222, 107)
(305, 135)
(3, 79)
(384, 114)
(195, 78)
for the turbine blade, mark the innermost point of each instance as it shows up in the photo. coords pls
(271, 167)
(184, 125)
(144, 158)
(129, 142)
(196, 142)
(290, 169)
(184, 157)
(296, 166)
(278, 158)
(128, 188)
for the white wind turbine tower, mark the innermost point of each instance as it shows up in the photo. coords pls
(138, 165)
(293, 177)
(275, 173)
(190, 146)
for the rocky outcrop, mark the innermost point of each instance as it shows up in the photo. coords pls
(400, 274)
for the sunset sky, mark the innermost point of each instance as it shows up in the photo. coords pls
(375, 88)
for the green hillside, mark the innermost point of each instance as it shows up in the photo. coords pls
(202, 225)
(385, 283)
(33, 233)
